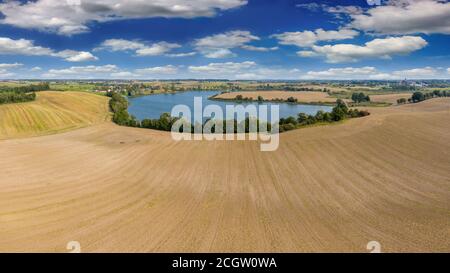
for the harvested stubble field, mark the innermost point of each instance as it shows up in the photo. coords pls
(52, 112)
(385, 177)
(301, 96)
(390, 98)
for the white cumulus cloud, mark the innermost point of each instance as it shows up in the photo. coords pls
(259, 48)
(343, 73)
(242, 71)
(26, 47)
(372, 73)
(219, 45)
(424, 72)
(141, 48)
(168, 69)
(222, 68)
(75, 72)
(377, 48)
(9, 66)
(73, 16)
(406, 17)
(309, 38)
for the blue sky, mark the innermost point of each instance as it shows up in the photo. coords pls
(232, 39)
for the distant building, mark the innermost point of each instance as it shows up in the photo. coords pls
(409, 83)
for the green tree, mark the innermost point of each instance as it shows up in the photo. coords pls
(417, 96)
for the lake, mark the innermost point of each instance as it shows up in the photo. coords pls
(152, 106)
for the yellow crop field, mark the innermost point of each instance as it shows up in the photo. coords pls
(52, 112)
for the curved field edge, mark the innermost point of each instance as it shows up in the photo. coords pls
(385, 178)
(52, 112)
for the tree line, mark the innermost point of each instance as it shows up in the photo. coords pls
(166, 122)
(339, 112)
(420, 96)
(21, 93)
(119, 106)
(240, 98)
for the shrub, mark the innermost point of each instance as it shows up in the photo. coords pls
(286, 127)
(360, 97)
(119, 106)
(417, 97)
(292, 100)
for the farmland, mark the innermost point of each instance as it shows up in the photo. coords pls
(384, 177)
(52, 112)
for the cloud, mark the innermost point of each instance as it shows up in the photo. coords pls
(309, 38)
(405, 17)
(342, 73)
(219, 45)
(265, 73)
(110, 71)
(123, 75)
(168, 69)
(73, 16)
(423, 72)
(140, 48)
(448, 70)
(219, 53)
(4, 74)
(22, 47)
(307, 53)
(90, 71)
(178, 55)
(230, 39)
(259, 49)
(120, 45)
(242, 71)
(221, 68)
(35, 69)
(76, 56)
(157, 49)
(9, 66)
(310, 6)
(372, 73)
(5, 67)
(347, 10)
(337, 11)
(377, 48)
(26, 47)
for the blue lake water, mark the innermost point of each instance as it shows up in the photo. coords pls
(153, 106)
